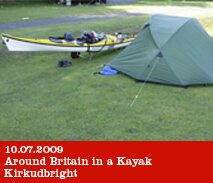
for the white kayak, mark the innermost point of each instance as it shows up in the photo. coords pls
(101, 42)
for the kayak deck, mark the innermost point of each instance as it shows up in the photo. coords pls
(110, 41)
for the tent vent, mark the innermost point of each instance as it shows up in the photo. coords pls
(146, 25)
(160, 55)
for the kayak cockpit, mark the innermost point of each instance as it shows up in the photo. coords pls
(88, 37)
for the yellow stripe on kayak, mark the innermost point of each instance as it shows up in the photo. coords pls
(109, 40)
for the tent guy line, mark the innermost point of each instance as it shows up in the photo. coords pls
(145, 81)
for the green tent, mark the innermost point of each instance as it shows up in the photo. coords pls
(169, 50)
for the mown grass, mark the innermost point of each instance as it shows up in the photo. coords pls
(186, 9)
(180, 3)
(46, 11)
(39, 101)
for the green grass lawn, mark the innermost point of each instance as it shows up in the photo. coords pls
(39, 101)
(36, 11)
(181, 3)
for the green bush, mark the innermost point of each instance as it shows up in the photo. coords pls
(14, 2)
(26, 1)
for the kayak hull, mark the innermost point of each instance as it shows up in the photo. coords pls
(33, 44)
